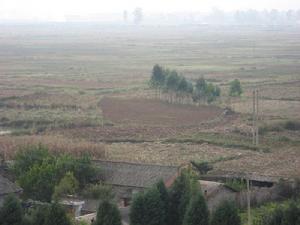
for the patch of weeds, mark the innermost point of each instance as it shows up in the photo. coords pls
(220, 140)
(236, 185)
(292, 125)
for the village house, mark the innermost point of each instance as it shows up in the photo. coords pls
(127, 178)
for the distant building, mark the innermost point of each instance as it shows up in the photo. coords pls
(73, 206)
(127, 179)
(7, 187)
(215, 193)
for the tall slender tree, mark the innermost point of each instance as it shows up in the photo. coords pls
(148, 208)
(108, 214)
(157, 78)
(197, 212)
(182, 190)
(137, 210)
(226, 214)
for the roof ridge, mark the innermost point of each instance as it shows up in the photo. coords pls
(135, 163)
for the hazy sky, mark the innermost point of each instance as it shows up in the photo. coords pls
(56, 9)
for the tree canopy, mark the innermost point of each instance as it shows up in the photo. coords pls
(235, 88)
(197, 212)
(42, 171)
(108, 214)
(179, 88)
(226, 214)
(148, 208)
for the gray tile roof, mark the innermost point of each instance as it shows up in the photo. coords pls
(8, 187)
(133, 174)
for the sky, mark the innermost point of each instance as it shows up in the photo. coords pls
(57, 9)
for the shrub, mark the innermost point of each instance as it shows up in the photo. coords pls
(56, 215)
(235, 88)
(11, 211)
(292, 125)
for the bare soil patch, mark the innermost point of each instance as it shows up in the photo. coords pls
(154, 112)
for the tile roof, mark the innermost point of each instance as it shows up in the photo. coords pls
(133, 174)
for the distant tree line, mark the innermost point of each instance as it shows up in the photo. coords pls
(177, 89)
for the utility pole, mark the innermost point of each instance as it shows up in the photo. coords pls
(257, 119)
(248, 202)
(255, 135)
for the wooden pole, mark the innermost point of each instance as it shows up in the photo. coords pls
(253, 119)
(256, 119)
(248, 202)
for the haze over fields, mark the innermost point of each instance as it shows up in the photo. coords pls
(155, 11)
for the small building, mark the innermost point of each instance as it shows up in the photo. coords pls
(215, 193)
(73, 206)
(7, 187)
(127, 178)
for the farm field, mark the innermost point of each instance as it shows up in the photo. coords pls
(85, 87)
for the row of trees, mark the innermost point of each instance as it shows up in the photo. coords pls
(12, 213)
(182, 204)
(178, 89)
(44, 176)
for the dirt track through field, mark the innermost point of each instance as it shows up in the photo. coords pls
(156, 112)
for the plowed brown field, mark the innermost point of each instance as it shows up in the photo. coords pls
(155, 112)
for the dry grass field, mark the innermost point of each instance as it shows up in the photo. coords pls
(84, 87)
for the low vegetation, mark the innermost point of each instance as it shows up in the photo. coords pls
(236, 185)
(276, 213)
(291, 125)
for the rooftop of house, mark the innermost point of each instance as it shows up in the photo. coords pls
(8, 187)
(210, 188)
(134, 174)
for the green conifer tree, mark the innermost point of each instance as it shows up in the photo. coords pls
(108, 214)
(197, 212)
(226, 214)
